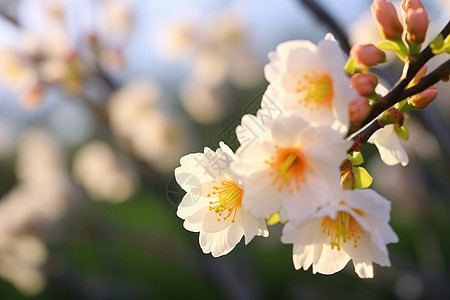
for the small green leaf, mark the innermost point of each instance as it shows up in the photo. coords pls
(438, 42)
(402, 132)
(398, 47)
(362, 178)
(273, 219)
(404, 106)
(439, 45)
(350, 66)
(356, 158)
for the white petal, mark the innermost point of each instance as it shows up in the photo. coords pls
(220, 243)
(191, 174)
(250, 130)
(210, 223)
(190, 205)
(252, 226)
(331, 260)
(363, 269)
(286, 131)
(389, 146)
(303, 256)
(216, 163)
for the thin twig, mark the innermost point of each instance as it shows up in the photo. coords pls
(395, 95)
(440, 73)
(399, 93)
(13, 21)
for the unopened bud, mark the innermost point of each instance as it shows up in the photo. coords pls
(346, 166)
(387, 20)
(367, 54)
(392, 116)
(414, 4)
(419, 75)
(422, 99)
(359, 109)
(364, 83)
(348, 180)
(416, 25)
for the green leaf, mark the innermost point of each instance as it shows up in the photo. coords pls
(273, 219)
(402, 132)
(356, 158)
(439, 45)
(398, 47)
(362, 178)
(403, 106)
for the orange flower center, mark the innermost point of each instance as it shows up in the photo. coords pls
(344, 228)
(316, 90)
(228, 199)
(288, 168)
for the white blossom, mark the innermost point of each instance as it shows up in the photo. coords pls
(355, 226)
(212, 204)
(312, 82)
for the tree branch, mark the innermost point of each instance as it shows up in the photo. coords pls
(414, 63)
(13, 21)
(441, 73)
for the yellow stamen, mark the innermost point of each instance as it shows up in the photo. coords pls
(229, 198)
(316, 90)
(288, 167)
(343, 228)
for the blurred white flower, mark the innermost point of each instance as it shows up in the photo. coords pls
(104, 175)
(179, 39)
(21, 258)
(311, 81)
(212, 204)
(116, 20)
(16, 71)
(245, 70)
(210, 66)
(42, 174)
(204, 103)
(154, 134)
(41, 196)
(160, 139)
(132, 102)
(216, 47)
(354, 227)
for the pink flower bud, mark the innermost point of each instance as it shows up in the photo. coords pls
(367, 54)
(416, 25)
(422, 99)
(359, 109)
(386, 17)
(364, 83)
(419, 75)
(414, 4)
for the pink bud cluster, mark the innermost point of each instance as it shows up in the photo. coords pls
(416, 20)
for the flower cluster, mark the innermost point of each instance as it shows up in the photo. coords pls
(288, 165)
(293, 166)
